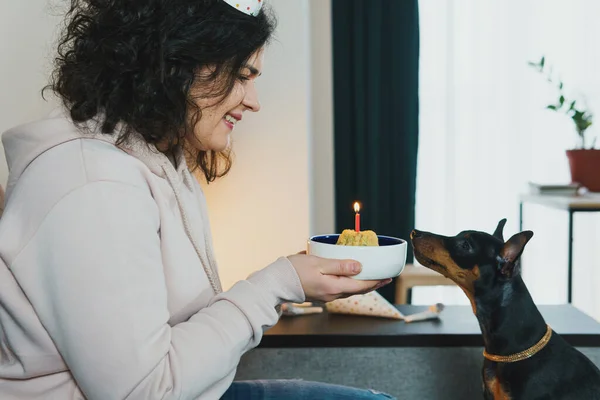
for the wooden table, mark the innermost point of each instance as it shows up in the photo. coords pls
(571, 204)
(457, 326)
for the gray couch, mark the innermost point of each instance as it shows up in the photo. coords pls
(432, 373)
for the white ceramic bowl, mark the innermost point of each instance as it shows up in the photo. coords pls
(378, 262)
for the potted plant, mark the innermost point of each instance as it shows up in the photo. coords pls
(584, 158)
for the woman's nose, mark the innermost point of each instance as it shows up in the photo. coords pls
(251, 98)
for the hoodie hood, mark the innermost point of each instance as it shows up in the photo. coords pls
(24, 143)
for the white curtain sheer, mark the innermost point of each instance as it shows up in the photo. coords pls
(484, 132)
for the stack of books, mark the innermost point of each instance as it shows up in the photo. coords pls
(569, 189)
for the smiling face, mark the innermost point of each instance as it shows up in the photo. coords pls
(476, 261)
(213, 131)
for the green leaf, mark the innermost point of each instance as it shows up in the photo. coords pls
(560, 86)
(572, 106)
(561, 100)
(542, 61)
(551, 107)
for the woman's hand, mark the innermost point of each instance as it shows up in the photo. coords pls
(327, 279)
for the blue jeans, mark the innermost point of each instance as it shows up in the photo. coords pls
(295, 389)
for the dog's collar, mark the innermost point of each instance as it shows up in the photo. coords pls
(523, 354)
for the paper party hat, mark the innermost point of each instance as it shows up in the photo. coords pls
(250, 7)
(370, 304)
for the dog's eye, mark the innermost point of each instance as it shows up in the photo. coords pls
(466, 245)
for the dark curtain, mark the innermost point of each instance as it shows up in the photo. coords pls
(376, 111)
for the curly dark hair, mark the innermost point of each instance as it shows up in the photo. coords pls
(133, 63)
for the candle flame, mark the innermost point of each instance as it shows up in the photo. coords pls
(356, 207)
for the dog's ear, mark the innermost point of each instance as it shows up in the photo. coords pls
(511, 252)
(499, 229)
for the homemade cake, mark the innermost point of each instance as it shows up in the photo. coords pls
(350, 237)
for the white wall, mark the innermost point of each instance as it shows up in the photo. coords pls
(322, 206)
(26, 33)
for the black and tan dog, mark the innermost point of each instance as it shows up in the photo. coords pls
(523, 358)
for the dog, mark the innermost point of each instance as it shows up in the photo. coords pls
(524, 359)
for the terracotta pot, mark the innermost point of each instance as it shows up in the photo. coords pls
(585, 168)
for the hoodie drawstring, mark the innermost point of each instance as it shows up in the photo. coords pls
(212, 275)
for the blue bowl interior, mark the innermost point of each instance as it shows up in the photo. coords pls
(332, 239)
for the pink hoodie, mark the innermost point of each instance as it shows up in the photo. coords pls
(108, 285)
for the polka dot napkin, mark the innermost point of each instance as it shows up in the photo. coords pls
(371, 304)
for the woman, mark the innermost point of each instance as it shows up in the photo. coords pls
(110, 288)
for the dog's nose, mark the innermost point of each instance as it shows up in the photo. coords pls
(415, 234)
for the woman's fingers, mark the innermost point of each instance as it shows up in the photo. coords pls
(339, 267)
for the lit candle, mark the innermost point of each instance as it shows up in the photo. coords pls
(357, 217)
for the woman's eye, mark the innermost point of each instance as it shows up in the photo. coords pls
(243, 78)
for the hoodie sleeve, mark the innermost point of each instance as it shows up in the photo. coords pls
(93, 272)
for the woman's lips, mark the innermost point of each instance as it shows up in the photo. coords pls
(231, 119)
